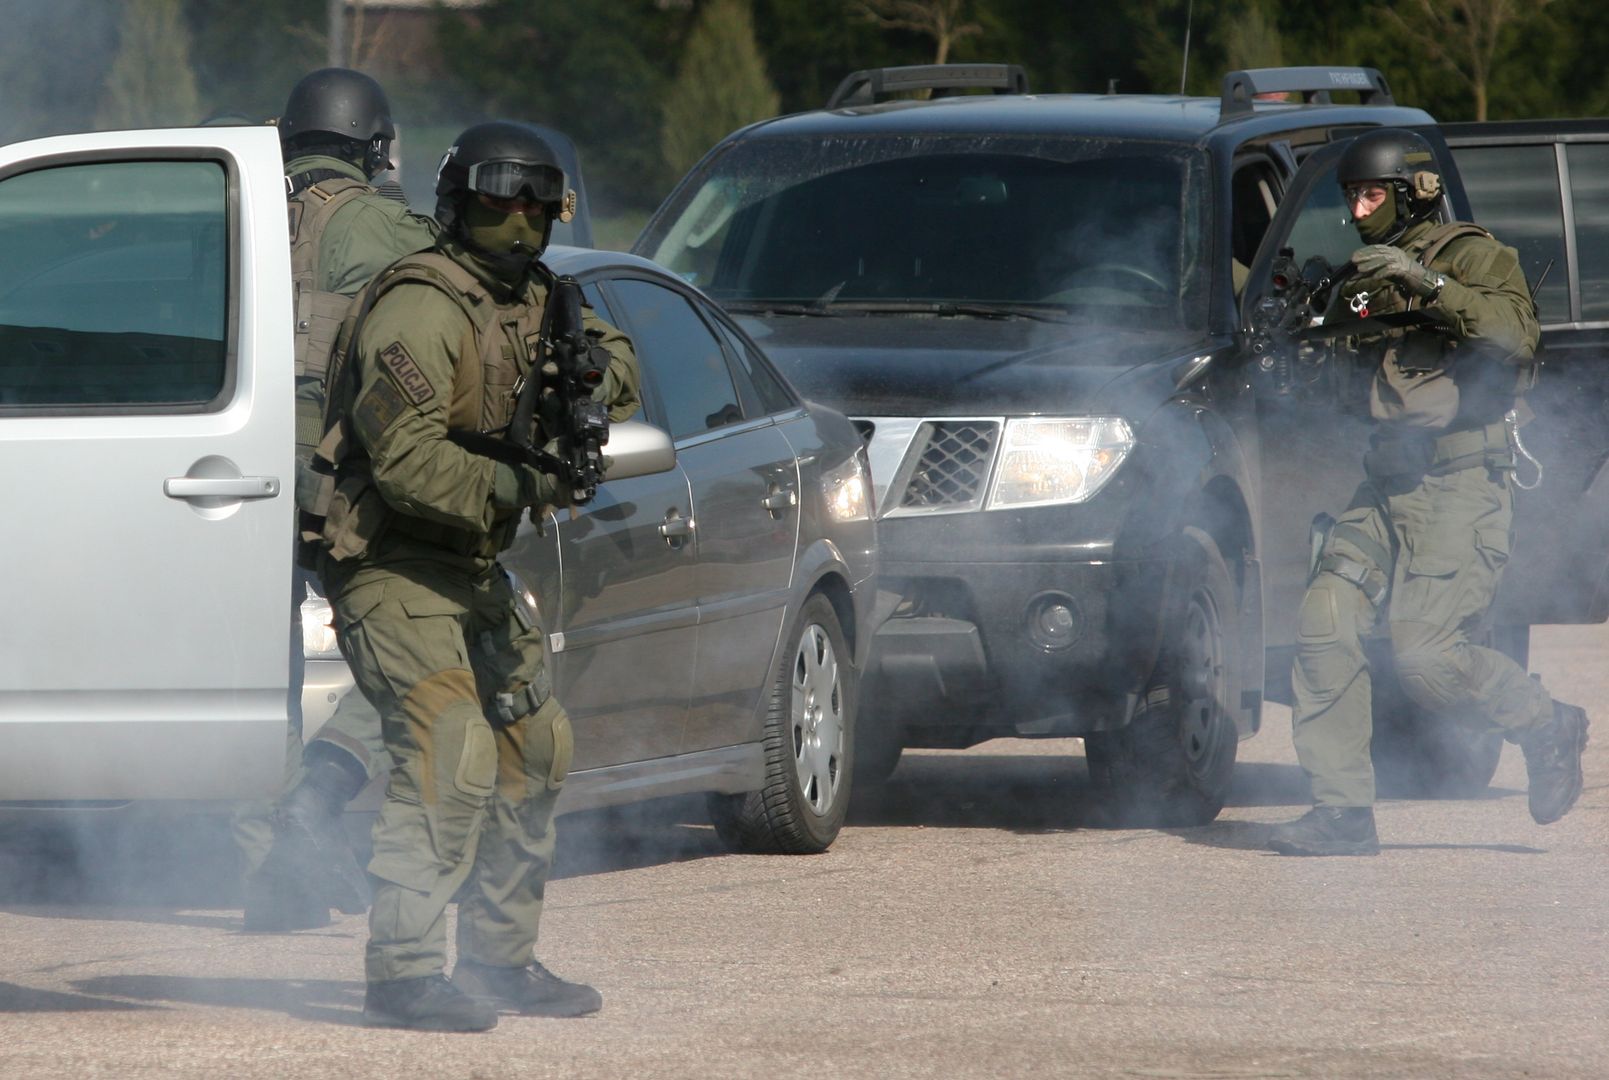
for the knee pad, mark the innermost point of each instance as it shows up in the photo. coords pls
(1328, 652)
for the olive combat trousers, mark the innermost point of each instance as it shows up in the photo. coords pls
(1436, 581)
(354, 727)
(479, 750)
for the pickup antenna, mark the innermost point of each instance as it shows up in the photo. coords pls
(1184, 65)
(1543, 276)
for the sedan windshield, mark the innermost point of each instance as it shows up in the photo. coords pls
(1108, 231)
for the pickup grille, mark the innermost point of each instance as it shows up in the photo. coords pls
(952, 466)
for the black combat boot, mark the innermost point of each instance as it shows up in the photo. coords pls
(529, 991)
(1328, 830)
(310, 868)
(276, 904)
(428, 1003)
(1553, 762)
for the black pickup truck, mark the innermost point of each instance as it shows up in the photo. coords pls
(1093, 490)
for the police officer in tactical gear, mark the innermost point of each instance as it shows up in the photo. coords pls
(427, 618)
(1427, 535)
(336, 134)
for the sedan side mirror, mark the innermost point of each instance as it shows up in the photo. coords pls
(637, 449)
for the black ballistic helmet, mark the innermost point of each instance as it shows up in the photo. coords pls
(341, 107)
(502, 159)
(1405, 163)
(337, 101)
(1390, 154)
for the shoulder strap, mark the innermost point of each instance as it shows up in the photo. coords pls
(1437, 239)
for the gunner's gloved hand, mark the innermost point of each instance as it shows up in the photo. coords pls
(517, 486)
(1395, 265)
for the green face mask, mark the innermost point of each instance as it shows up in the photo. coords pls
(498, 233)
(1382, 223)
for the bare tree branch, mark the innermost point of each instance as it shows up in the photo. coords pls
(940, 20)
(1463, 36)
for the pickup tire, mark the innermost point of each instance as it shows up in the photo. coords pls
(809, 740)
(1420, 755)
(1174, 763)
(879, 744)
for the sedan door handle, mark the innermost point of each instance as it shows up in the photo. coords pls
(673, 528)
(233, 487)
(780, 499)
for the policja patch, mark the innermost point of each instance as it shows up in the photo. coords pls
(405, 371)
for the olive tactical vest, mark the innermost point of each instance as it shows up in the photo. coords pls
(1415, 384)
(318, 313)
(348, 514)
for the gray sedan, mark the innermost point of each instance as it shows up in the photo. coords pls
(706, 624)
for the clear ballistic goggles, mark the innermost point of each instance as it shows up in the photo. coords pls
(517, 179)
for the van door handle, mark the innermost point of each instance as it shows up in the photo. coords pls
(232, 487)
(780, 499)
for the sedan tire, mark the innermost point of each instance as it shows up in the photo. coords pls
(808, 739)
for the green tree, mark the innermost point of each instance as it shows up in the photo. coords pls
(720, 86)
(150, 83)
(596, 71)
(247, 56)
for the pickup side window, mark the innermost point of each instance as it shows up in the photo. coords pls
(1514, 192)
(1589, 188)
(1324, 225)
(114, 286)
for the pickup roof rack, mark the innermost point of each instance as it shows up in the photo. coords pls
(1240, 88)
(865, 87)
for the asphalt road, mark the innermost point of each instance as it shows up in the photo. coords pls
(970, 922)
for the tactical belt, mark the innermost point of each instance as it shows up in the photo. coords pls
(1484, 446)
(1399, 454)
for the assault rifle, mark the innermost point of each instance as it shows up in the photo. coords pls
(1281, 320)
(1292, 328)
(578, 425)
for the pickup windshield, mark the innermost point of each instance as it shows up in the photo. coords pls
(1103, 230)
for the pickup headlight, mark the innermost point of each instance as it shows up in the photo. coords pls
(318, 635)
(1047, 460)
(847, 490)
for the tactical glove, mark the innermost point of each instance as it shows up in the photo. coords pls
(517, 486)
(1396, 265)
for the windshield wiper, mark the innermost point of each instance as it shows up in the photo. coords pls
(973, 309)
(774, 307)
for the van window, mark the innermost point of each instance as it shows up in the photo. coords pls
(114, 285)
(1514, 192)
(1589, 188)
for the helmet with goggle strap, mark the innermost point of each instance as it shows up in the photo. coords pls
(502, 160)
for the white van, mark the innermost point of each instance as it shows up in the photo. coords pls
(146, 458)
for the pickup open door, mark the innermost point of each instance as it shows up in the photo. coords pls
(146, 465)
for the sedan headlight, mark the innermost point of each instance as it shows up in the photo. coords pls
(847, 490)
(318, 633)
(1047, 460)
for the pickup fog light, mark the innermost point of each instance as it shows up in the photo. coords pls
(1058, 460)
(846, 490)
(318, 635)
(1054, 621)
